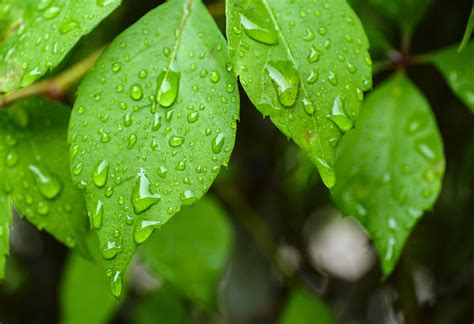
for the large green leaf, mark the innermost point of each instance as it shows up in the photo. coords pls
(304, 64)
(458, 70)
(85, 294)
(160, 307)
(154, 122)
(191, 251)
(35, 35)
(390, 166)
(304, 308)
(34, 160)
(406, 13)
(5, 221)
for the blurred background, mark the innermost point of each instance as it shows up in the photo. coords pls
(277, 203)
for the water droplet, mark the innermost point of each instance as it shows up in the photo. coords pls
(136, 92)
(97, 215)
(142, 196)
(286, 81)
(215, 77)
(193, 116)
(100, 173)
(218, 143)
(110, 250)
(312, 77)
(42, 208)
(339, 117)
(332, 78)
(116, 284)
(144, 229)
(308, 106)
(52, 12)
(257, 28)
(188, 198)
(11, 159)
(117, 66)
(314, 55)
(47, 183)
(176, 141)
(167, 88)
(162, 171)
(69, 25)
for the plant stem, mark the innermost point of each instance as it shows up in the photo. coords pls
(57, 85)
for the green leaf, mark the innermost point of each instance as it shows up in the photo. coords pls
(154, 122)
(191, 251)
(160, 307)
(406, 13)
(5, 222)
(304, 308)
(85, 294)
(391, 166)
(35, 162)
(458, 70)
(36, 35)
(304, 64)
(468, 32)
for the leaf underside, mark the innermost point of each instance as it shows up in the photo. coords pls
(390, 166)
(36, 35)
(305, 64)
(154, 122)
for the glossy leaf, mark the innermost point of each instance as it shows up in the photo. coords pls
(390, 166)
(468, 32)
(458, 70)
(191, 251)
(304, 308)
(160, 307)
(36, 35)
(406, 13)
(154, 122)
(5, 222)
(85, 294)
(35, 162)
(304, 64)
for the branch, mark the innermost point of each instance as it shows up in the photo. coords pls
(55, 86)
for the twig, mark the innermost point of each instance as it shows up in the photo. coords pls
(55, 86)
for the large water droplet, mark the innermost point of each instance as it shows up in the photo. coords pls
(97, 215)
(47, 183)
(144, 229)
(286, 81)
(167, 87)
(110, 250)
(142, 196)
(100, 173)
(188, 198)
(258, 28)
(339, 117)
(136, 92)
(217, 143)
(116, 284)
(176, 141)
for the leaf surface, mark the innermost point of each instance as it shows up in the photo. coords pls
(305, 64)
(304, 308)
(36, 35)
(191, 251)
(34, 159)
(390, 166)
(154, 122)
(458, 70)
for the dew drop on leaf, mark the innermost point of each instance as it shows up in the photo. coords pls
(167, 88)
(142, 196)
(257, 28)
(48, 184)
(286, 81)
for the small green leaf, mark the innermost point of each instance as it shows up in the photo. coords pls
(406, 13)
(468, 32)
(91, 304)
(304, 65)
(191, 251)
(5, 222)
(304, 308)
(390, 167)
(154, 122)
(160, 307)
(35, 162)
(458, 70)
(36, 35)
